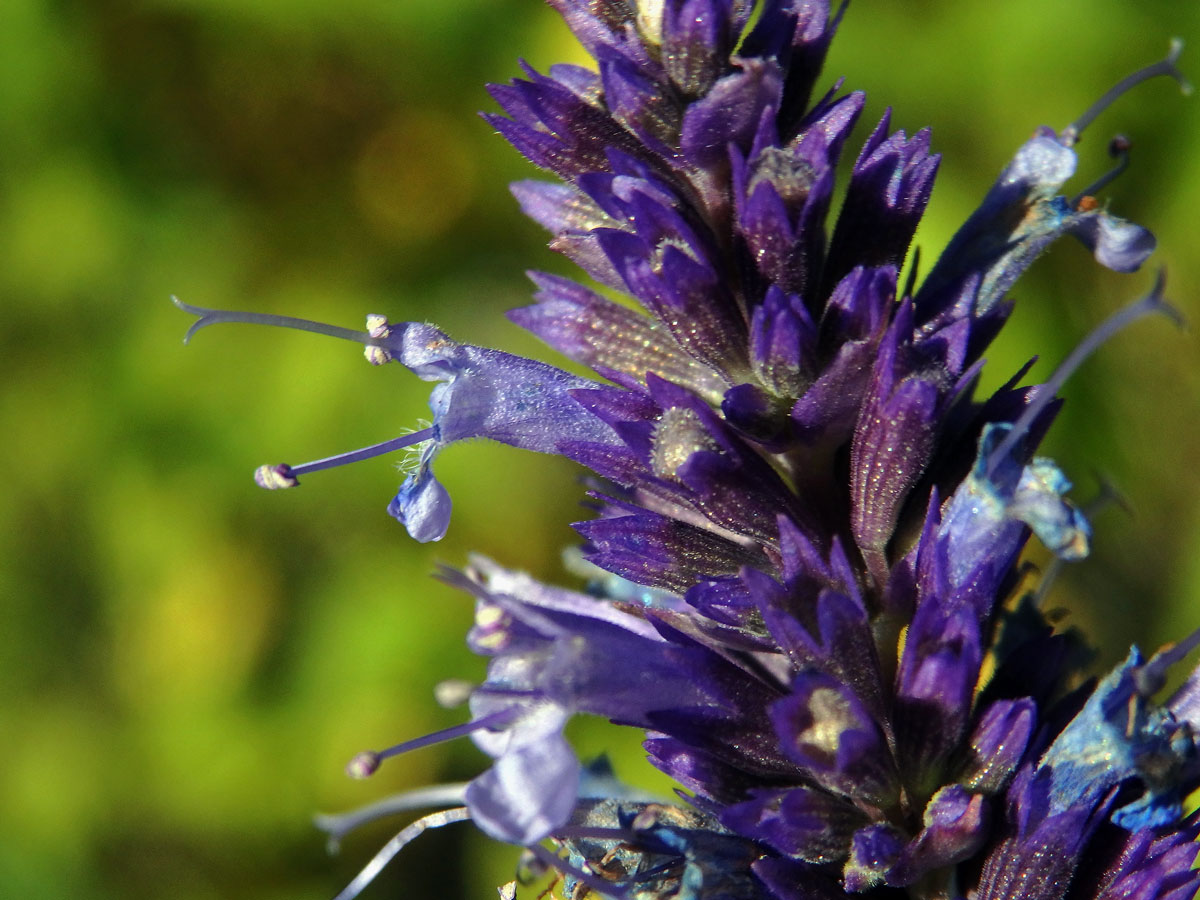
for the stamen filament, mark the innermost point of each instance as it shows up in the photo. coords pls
(398, 843)
(1071, 133)
(364, 764)
(352, 456)
(338, 825)
(1151, 303)
(274, 478)
(1118, 149)
(206, 317)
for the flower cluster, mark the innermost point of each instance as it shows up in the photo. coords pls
(802, 568)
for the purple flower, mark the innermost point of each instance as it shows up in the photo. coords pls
(807, 526)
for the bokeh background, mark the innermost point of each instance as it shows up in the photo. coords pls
(186, 662)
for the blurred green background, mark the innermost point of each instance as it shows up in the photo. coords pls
(186, 662)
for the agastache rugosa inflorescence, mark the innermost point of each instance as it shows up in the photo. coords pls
(807, 525)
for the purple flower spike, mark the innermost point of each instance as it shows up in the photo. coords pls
(803, 546)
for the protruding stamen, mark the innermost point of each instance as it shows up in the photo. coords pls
(206, 317)
(1118, 149)
(284, 476)
(1069, 135)
(1153, 302)
(396, 844)
(339, 825)
(378, 328)
(275, 478)
(366, 763)
(376, 338)
(363, 765)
